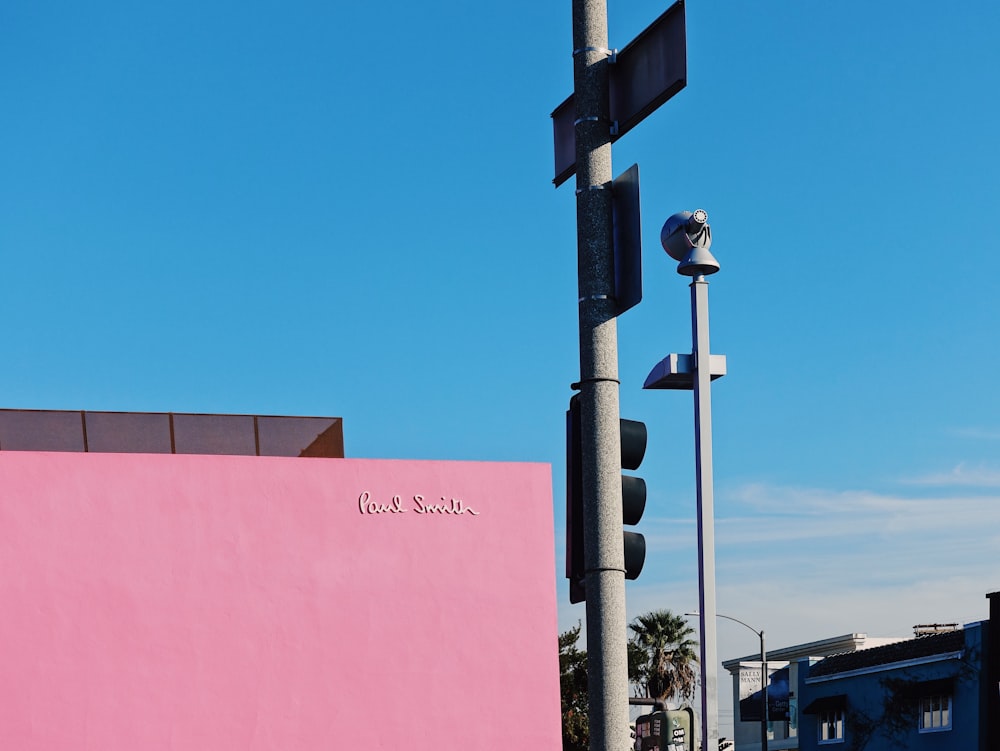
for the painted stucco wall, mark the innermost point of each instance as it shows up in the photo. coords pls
(865, 695)
(221, 602)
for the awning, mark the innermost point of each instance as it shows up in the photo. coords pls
(834, 703)
(919, 689)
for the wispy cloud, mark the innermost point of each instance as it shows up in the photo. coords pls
(830, 537)
(807, 563)
(959, 476)
(980, 434)
(821, 562)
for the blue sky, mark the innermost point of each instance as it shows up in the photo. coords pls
(333, 209)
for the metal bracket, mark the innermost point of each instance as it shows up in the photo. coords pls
(676, 372)
(612, 54)
(612, 128)
(579, 386)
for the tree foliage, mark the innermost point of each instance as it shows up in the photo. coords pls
(662, 656)
(573, 688)
(661, 659)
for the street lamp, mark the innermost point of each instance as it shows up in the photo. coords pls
(763, 676)
(687, 238)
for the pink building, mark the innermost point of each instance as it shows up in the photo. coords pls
(198, 601)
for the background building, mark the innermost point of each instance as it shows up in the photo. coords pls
(923, 693)
(783, 681)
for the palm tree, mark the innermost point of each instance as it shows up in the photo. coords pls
(662, 656)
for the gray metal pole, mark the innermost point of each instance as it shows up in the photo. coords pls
(763, 693)
(763, 674)
(604, 558)
(706, 515)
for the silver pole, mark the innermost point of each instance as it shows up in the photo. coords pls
(763, 674)
(706, 515)
(604, 557)
(763, 693)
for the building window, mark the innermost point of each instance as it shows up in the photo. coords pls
(935, 713)
(831, 726)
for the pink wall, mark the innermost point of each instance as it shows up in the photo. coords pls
(220, 602)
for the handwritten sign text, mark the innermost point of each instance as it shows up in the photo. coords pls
(417, 504)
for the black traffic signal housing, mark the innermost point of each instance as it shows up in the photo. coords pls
(633, 449)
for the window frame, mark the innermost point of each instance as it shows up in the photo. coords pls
(944, 705)
(825, 719)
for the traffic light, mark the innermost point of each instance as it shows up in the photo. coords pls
(633, 434)
(633, 449)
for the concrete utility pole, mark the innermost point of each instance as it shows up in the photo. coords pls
(604, 557)
(648, 71)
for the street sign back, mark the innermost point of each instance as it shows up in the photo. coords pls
(646, 73)
(628, 239)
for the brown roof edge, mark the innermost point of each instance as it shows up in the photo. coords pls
(170, 432)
